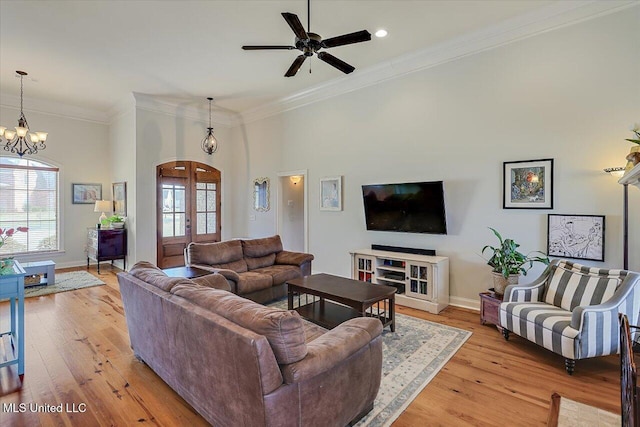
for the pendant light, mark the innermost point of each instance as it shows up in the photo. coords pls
(210, 143)
(21, 141)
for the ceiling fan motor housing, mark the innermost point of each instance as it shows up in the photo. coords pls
(309, 46)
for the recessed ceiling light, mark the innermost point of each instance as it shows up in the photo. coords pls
(381, 33)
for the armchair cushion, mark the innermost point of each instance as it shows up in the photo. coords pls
(570, 288)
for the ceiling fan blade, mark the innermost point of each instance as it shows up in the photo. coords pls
(297, 63)
(295, 25)
(357, 37)
(268, 47)
(335, 62)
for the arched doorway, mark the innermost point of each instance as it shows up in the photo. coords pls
(188, 208)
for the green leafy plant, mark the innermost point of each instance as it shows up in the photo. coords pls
(635, 129)
(506, 259)
(115, 218)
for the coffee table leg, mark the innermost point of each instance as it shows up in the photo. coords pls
(290, 299)
(392, 314)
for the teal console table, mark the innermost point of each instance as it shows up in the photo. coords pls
(12, 288)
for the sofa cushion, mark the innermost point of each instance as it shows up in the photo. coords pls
(251, 281)
(255, 248)
(570, 288)
(283, 329)
(151, 274)
(280, 273)
(215, 254)
(258, 262)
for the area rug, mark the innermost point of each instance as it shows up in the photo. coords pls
(568, 413)
(65, 282)
(411, 357)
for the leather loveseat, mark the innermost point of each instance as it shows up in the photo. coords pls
(239, 363)
(257, 269)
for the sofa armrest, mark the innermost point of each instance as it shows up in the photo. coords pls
(332, 348)
(213, 280)
(533, 291)
(620, 302)
(232, 277)
(293, 258)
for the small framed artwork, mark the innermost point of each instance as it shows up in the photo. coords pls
(331, 193)
(576, 236)
(86, 193)
(528, 184)
(119, 190)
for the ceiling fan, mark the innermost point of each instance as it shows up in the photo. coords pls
(310, 43)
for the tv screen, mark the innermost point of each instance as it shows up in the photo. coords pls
(414, 207)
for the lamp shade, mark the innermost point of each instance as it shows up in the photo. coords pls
(102, 206)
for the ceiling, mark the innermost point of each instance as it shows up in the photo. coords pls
(92, 54)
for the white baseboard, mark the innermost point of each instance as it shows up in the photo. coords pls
(464, 303)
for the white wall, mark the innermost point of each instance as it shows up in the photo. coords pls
(78, 147)
(569, 94)
(122, 160)
(292, 214)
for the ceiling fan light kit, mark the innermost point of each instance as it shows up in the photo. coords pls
(309, 43)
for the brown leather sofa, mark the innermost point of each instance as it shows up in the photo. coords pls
(255, 268)
(239, 363)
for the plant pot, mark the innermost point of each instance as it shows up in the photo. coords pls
(500, 283)
(633, 158)
(117, 225)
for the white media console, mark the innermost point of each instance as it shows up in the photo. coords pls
(422, 280)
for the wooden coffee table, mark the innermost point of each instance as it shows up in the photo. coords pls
(354, 298)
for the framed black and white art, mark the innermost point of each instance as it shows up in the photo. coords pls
(576, 236)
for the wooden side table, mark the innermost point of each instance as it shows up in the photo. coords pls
(490, 308)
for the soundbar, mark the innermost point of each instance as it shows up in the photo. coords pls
(415, 251)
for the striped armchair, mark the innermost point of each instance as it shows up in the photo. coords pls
(572, 309)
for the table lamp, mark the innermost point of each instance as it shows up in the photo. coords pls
(102, 206)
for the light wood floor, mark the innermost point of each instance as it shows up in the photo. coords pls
(77, 352)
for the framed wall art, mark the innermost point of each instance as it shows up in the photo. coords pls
(331, 193)
(528, 184)
(119, 190)
(576, 236)
(86, 193)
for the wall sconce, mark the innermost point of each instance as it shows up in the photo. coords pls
(617, 171)
(295, 179)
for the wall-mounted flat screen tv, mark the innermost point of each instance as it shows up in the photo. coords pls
(413, 207)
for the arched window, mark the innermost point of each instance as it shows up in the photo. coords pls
(29, 198)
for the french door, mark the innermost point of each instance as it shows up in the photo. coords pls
(188, 208)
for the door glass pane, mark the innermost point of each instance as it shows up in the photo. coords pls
(211, 201)
(211, 186)
(201, 223)
(180, 223)
(180, 199)
(200, 185)
(167, 198)
(211, 223)
(167, 225)
(201, 202)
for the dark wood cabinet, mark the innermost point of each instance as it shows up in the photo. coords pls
(106, 245)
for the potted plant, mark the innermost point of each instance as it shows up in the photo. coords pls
(6, 263)
(116, 221)
(508, 263)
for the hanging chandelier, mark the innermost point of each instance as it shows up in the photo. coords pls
(20, 141)
(210, 143)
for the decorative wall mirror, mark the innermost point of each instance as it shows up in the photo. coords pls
(261, 194)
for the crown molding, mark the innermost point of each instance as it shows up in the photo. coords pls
(552, 17)
(156, 105)
(53, 108)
